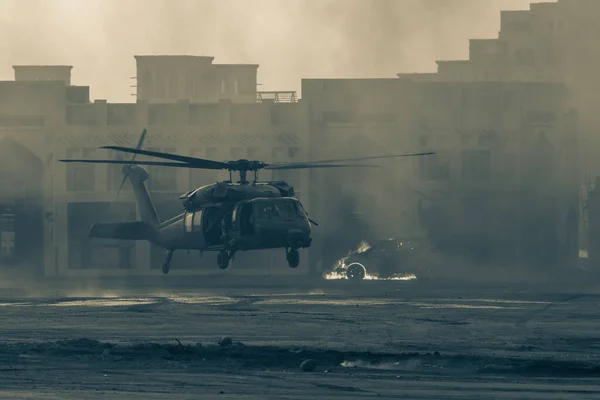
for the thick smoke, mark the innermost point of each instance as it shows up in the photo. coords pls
(290, 39)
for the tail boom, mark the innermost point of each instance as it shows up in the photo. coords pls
(136, 230)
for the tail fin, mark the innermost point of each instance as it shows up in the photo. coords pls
(137, 176)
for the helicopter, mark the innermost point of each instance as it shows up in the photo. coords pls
(224, 216)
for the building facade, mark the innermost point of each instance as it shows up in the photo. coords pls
(550, 42)
(50, 206)
(502, 185)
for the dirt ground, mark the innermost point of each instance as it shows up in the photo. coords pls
(433, 339)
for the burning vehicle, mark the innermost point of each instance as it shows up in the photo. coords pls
(390, 259)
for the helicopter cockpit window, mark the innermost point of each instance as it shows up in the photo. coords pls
(289, 209)
(266, 210)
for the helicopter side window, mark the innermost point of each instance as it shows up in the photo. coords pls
(187, 222)
(197, 221)
(212, 225)
(266, 211)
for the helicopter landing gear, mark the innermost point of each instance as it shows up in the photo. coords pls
(167, 264)
(293, 258)
(223, 259)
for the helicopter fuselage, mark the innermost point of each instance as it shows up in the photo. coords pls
(251, 224)
(228, 192)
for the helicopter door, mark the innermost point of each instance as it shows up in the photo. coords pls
(212, 225)
(246, 219)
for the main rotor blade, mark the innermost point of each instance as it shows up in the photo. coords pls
(141, 141)
(130, 162)
(357, 159)
(199, 163)
(312, 166)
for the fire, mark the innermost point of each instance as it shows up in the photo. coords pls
(363, 246)
(368, 277)
(338, 273)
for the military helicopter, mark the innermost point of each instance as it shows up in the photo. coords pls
(225, 216)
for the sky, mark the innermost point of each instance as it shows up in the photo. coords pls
(289, 39)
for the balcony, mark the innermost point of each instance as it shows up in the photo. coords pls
(277, 96)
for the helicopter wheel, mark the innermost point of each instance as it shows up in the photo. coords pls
(293, 258)
(167, 265)
(223, 259)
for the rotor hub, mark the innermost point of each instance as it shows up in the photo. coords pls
(245, 165)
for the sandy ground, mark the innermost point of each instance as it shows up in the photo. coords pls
(435, 339)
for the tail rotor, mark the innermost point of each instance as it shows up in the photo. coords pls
(127, 169)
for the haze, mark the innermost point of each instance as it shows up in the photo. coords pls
(290, 39)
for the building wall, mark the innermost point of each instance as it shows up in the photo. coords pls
(482, 177)
(505, 172)
(550, 42)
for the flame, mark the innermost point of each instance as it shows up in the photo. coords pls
(369, 277)
(362, 247)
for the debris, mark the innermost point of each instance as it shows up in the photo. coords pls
(225, 341)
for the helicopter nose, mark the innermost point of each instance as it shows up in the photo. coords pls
(297, 238)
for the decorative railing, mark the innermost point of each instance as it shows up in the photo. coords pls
(277, 96)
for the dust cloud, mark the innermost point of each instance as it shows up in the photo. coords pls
(290, 39)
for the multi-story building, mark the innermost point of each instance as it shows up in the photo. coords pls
(43, 119)
(550, 42)
(503, 182)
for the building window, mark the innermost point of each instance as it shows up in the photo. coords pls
(252, 153)
(237, 153)
(156, 115)
(162, 178)
(145, 89)
(335, 117)
(434, 167)
(476, 164)
(174, 87)
(278, 154)
(80, 177)
(293, 152)
(524, 57)
(93, 253)
(201, 177)
(222, 86)
(161, 87)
